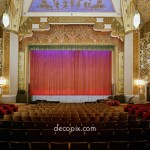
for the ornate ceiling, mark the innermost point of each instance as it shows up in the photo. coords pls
(105, 15)
(71, 6)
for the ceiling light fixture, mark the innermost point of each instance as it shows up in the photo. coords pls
(136, 18)
(5, 18)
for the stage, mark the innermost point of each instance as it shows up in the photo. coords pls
(69, 98)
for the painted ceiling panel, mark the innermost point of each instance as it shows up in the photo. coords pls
(71, 6)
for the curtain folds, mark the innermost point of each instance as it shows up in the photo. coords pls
(68, 72)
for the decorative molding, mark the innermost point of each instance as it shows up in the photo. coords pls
(6, 61)
(144, 29)
(1, 50)
(15, 12)
(1, 55)
(128, 9)
(120, 72)
(143, 7)
(26, 28)
(118, 28)
(71, 20)
(71, 47)
(70, 34)
(136, 60)
(145, 51)
(21, 70)
(2, 7)
(144, 56)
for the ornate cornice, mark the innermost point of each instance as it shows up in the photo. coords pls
(31, 24)
(70, 34)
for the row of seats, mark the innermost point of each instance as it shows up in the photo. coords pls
(76, 135)
(132, 107)
(100, 125)
(7, 109)
(69, 113)
(140, 110)
(74, 118)
(113, 145)
(70, 108)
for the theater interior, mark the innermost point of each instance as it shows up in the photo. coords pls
(74, 74)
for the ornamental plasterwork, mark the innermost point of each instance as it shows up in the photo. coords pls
(145, 56)
(1, 55)
(118, 28)
(70, 34)
(15, 13)
(144, 9)
(21, 72)
(144, 29)
(128, 9)
(6, 62)
(2, 6)
(1, 49)
(120, 72)
(105, 24)
(136, 60)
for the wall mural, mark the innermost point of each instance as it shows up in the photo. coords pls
(71, 6)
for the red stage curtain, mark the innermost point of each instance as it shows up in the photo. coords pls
(67, 72)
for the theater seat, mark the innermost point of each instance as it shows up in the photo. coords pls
(135, 134)
(115, 145)
(99, 146)
(18, 135)
(48, 135)
(59, 146)
(120, 135)
(20, 146)
(5, 134)
(106, 135)
(79, 146)
(138, 145)
(33, 135)
(4, 145)
(39, 146)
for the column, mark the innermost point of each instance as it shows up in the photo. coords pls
(13, 64)
(131, 65)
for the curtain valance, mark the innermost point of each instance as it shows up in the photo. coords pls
(71, 47)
